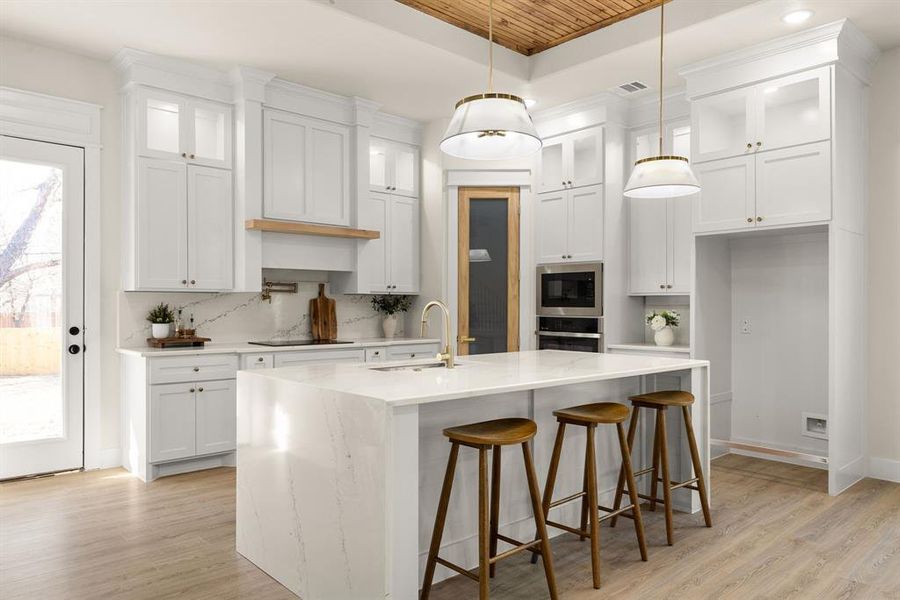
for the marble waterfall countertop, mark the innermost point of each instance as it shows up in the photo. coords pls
(477, 375)
(247, 348)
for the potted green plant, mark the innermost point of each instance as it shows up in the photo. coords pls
(161, 318)
(662, 322)
(390, 305)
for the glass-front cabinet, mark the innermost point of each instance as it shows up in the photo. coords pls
(723, 125)
(177, 127)
(393, 167)
(572, 160)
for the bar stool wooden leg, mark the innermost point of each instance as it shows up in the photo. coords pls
(551, 476)
(632, 491)
(546, 552)
(585, 501)
(664, 467)
(439, 520)
(632, 430)
(698, 468)
(484, 539)
(654, 477)
(495, 505)
(591, 461)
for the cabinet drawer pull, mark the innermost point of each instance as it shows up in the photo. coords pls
(260, 359)
(412, 355)
(196, 369)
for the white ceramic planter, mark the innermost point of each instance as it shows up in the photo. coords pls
(160, 330)
(389, 326)
(664, 337)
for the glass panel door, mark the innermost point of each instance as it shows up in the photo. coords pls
(378, 166)
(552, 174)
(587, 158)
(41, 307)
(405, 179)
(722, 124)
(160, 120)
(488, 270)
(794, 110)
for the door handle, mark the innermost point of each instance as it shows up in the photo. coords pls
(74, 349)
(464, 339)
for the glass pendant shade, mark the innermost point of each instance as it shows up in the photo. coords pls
(491, 126)
(661, 177)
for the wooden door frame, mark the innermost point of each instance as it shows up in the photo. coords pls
(466, 195)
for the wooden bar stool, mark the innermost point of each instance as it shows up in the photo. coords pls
(660, 402)
(484, 437)
(589, 416)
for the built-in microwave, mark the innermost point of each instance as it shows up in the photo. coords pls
(570, 290)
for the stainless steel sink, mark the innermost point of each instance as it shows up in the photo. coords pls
(412, 367)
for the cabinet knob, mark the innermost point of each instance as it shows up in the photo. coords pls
(758, 144)
(749, 219)
(668, 286)
(563, 256)
(758, 219)
(196, 369)
(662, 286)
(184, 155)
(184, 282)
(193, 282)
(193, 390)
(260, 359)
(192, 156)
(749, 146)
(569, 182)
(387, 187)
(412, 355)
(200, 389)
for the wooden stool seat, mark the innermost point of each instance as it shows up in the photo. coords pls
(659, 472)
(598, 412)
(665, 398)
(488, 437)
(589, 416)
(499, 432)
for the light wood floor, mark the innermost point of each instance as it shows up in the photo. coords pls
(777, 534)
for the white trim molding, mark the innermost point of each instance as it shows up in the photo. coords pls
(884, 468)
(74, 123)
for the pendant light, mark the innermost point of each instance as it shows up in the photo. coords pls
(491, 126)
(661, 176)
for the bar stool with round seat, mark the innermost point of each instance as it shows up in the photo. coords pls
(590, 416)
(486, 436)
(660, 402)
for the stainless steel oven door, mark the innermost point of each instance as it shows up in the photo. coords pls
(570, 290)
(574, 342)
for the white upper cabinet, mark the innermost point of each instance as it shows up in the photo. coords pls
(569, 225)
(306, 169)
(210, 221)
(180, 127)
(571, 160)
(393, 167)
(727, 194)
(403, 242)
(793, 185)
(778, 113)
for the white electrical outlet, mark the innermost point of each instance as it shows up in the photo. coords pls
(745, 326)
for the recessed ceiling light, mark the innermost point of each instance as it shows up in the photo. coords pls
(796, 17)
(529, 102)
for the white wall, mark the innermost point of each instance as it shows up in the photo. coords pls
(884, 266)
(41, 69)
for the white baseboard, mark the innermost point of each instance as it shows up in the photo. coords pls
(884, 468)
(103, 459)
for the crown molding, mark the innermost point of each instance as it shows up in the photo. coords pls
(250, 83)
(145, 68)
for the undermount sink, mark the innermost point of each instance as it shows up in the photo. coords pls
(412, 367)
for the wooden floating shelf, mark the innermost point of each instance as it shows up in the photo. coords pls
(276, 226)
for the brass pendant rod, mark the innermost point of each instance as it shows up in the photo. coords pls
(662, 13)
(490, 45)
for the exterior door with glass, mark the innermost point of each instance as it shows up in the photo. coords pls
(488, 267)
(41, 307)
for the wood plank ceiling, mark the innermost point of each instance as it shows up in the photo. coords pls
(531, 26)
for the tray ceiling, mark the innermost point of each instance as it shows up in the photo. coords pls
(531, 26)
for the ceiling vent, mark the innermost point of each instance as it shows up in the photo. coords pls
(632, 87)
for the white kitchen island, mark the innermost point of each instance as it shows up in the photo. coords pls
(339, 466)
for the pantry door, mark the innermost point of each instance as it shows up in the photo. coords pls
(41, 307)
(488, 265)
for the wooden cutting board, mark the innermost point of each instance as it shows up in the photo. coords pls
(323, 316)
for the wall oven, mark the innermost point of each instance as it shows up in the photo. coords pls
(578, 334)
(570, 290)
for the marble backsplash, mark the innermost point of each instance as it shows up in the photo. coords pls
(241, 317)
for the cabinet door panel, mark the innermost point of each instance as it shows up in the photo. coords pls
(647, 245)
(404, 245)
(727, 196)
(586, 223)
(209, 130)
(552, 172)
(405, 165)
(586, 157)
(328, 174)
(161, 124)
(172, 421)
(210, 229)
(680, 223)
(161, 225)
(373, 258)
(284, 166)
(379, 178)
(794, 110)
(250, 362)
(552, 227)
(793, 185)
(722, 125)
(216, 416)
(287, 359)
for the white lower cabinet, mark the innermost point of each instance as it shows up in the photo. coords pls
(290, 359)
(787, 186)
(569, 225)
(216, 415)
(172, 421)
(265, 360)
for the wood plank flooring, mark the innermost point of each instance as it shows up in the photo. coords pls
(776, 534)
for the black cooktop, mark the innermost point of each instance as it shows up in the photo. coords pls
(298, 342)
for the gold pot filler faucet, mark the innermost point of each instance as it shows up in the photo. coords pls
(447, 355)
